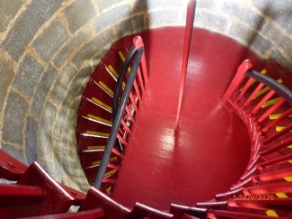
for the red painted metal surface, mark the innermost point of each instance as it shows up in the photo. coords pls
(10, 168)
(187, 45)
(90, 214)
(246, 65)
(208, 153)
(213, 214)
(163, 167)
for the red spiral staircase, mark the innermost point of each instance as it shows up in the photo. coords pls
(234, 129)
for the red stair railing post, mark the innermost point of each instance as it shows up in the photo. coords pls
(238, 78)
(186, 52)
(138, 42)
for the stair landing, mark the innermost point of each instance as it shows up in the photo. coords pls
(211, 148)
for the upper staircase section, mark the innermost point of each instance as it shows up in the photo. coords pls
(106, 117)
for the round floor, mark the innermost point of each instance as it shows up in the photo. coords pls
(211, 148)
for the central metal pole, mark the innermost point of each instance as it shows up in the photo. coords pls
(186, 52)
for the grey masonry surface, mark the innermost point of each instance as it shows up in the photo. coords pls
(112, 16)
(27, 25)
(29, 73)
(8, 10)
(51, 39)
(7, 74)
(106, 4)
(79, 13)
(70, 94)
(72, 45)
(153, 4)
(45, 139)
(14, 118)
(131, 25)
(31, 140)
(14, 152)
(278, 11)
(42, 90)
(94, 46)
(62, 82)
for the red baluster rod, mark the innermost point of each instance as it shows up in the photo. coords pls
(186, 52)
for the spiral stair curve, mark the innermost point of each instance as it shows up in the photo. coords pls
(135, 160)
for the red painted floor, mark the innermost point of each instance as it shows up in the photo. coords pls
(211, 148)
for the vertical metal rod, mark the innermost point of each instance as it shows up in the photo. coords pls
(186, 52)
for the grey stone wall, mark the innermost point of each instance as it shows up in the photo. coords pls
(48, 50)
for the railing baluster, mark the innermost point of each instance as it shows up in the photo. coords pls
(137, 90)
(263, 100)
(275, 122)
(244, 89)
(118, 115)
(130, 115)
(277, 135)
(276, 147)
(141, 81)
(271, 110)
(237, 80)
(260, 86)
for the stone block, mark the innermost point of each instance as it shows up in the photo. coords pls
(68, 99)
(211, 21)
(102, 5)
(49, 167)
(82, 76)
(51, 39)
(70, 121)
(15, 152)
(157, 18)
(244, 14)
(58, 147)
(31, 140)
(279, 11)
(26, 26)
(132, 25)
(111, 16)
(94, 47)
(70, 47)
(65, 117)
(14, 118)
(150, 4)
(79, 13)
(278, 57)
(60, 120)
(209, 4)
(45, 129)
(28, 75)
(261, 43)
(62, 83)
(243, 32)
(43, 89)
(7, 74)
(279, 39)
(66, 162)
(8, 10)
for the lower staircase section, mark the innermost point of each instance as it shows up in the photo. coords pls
(264, 191)
(34, 194)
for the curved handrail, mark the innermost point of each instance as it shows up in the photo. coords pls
(118, 88)
(280, 89)
(118, 118)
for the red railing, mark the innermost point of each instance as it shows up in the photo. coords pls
(264, 105)
(107, 91)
